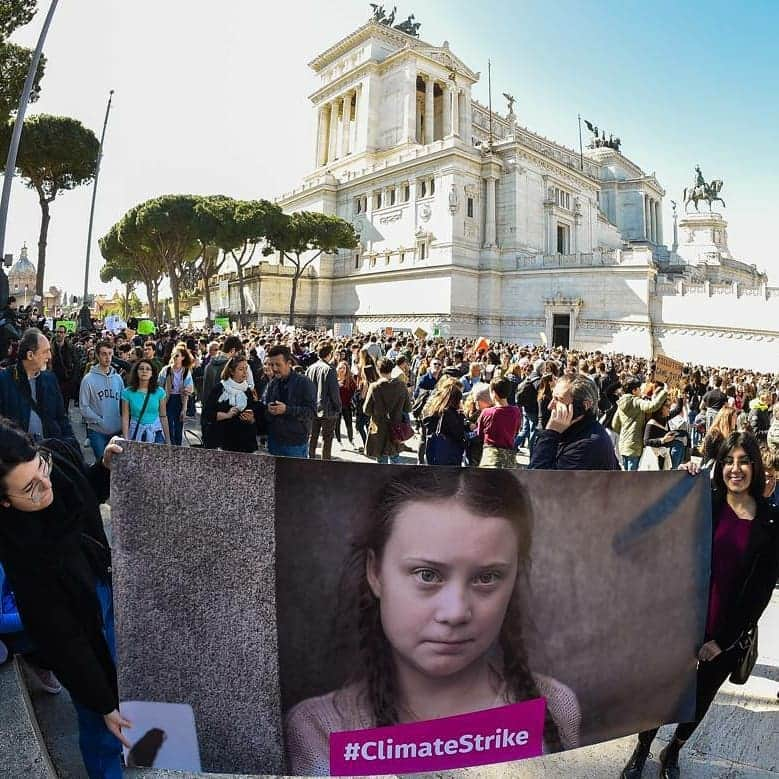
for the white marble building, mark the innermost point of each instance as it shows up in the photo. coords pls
(519, 239)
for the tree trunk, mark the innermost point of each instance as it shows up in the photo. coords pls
(295, 278)
(174, 291)
(241, 295)
(127, 288)
(42, 240)
(207, 296)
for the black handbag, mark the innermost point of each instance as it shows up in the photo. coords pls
(747, 647)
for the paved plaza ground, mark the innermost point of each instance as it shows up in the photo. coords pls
(738, 740)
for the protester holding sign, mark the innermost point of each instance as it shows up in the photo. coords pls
(58, 562)
(430, 589)
(744, 571)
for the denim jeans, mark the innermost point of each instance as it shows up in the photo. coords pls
(677, 454)
(630, 463)
(287, 450)
(175, 422)
(528, 432)
(98, 441)
(100, 749)
(695, 437)
(386, 459)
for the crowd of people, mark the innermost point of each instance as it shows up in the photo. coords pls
(441, 401)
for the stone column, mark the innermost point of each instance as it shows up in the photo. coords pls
(466, 130)
(346, 110)
(659, 222)
(455, 111)
(646, 217)
(332, 144)
(490, 227)
(411, 107)
(429, 111)
(323, 136)
(446, 114)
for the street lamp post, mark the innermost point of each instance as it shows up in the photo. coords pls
(94, 193)
(13, 148)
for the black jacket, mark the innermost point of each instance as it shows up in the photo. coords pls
(298, 392)
(52, 559)
(232, 435)
(584, 446)
(758, 575)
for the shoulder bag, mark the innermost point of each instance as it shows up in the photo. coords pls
(747, 648)
(140, 416)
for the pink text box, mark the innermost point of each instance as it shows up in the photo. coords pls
(513, 732)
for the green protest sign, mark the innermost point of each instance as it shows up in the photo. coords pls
(223, 322)
(146, 327)
(68, 324)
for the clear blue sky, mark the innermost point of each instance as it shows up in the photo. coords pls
(213, 97)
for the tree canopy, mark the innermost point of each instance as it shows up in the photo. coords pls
(15, 60)
(56, 154)
(308, 231)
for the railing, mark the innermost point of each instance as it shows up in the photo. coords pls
(579, 260)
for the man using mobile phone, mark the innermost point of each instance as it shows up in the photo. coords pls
(291, 404)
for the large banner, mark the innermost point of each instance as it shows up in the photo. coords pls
(328, 617)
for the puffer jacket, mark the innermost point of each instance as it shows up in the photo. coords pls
(630, 419)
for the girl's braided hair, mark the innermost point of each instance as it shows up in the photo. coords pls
(486, 493)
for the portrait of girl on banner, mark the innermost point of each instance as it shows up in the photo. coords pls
(430, 593)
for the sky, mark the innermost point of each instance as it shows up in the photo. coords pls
(213, 98)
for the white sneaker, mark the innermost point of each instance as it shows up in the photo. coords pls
(47, 681)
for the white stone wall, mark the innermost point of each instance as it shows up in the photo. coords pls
(712, 325)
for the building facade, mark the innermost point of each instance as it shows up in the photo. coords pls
(473, 225)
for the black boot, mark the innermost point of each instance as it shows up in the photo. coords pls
(669, 760)
(635, 766)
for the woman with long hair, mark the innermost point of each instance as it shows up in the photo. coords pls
(744, 571)
(444, 424)
(657, 440)
(58, 563)
(723, 425)
(548, 378)
(346, 389)
(368, 375)
(144, 416)
(176, 379)
(231, 409)
(435, 613)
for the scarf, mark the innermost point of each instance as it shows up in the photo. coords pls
(234, 393)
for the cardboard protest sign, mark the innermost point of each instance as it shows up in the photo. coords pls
(420, 333)
(667, 370)
(146, 327)
(222, 322)
(282, 612)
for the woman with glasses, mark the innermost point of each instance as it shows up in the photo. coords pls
(58, 563)
(144, 416)
(744, 570)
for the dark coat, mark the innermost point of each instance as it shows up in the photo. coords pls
(233, 435)
(584, 446)
(15, 403)
(758, 575)
(328, 396)
(386, 402)
(299, 394)
(52, 559)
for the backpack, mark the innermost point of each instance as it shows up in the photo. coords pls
(420, 402)
(526, 393)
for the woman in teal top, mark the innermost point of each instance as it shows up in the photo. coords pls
(142, 419)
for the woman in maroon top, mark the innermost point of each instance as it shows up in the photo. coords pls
(346, 388)
(498, 427)
(744, 571)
